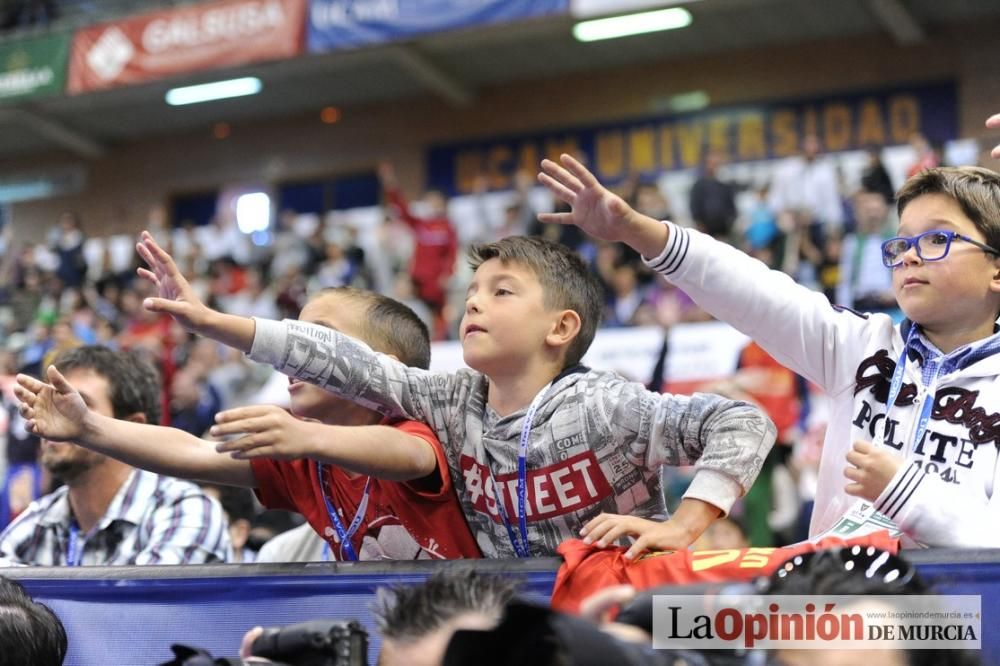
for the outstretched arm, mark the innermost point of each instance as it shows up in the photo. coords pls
(56, 411)
(597, 210)
(176, 297)
(266, 431)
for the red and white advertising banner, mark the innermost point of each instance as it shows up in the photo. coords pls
(212, 35)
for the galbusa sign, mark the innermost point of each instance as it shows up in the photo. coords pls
(189, 39)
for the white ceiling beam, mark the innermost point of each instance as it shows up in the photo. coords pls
(433, 77)
(897, 21)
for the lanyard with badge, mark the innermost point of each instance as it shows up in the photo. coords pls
(346, 548)
(862, 518)
(520, 545)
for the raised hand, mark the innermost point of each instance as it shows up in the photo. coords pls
(55, 411)
(266, 431)
(175, 295)
(595, 209)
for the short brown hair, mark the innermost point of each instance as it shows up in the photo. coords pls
(567, 283)
(976, 190)
(390, 327)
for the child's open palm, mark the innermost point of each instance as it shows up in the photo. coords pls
(175, 295)
(595, 209)
(54, 411)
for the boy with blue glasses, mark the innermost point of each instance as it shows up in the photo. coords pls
(915, 409)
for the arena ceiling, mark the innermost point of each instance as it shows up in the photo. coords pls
(457, 66)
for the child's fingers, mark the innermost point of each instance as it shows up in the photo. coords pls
(147, 274)
(578, 170)
(240, 444)
(556, 218)
(241, 413)
(561, 175)
(262, 451)
(165, 305)
(854, 489)
(853, 473)
(863, 447)
(594, 522)
(855, 458)
(251, 425)
(993, 121)
(621, 528)
(641, 545)
(161, 255)
(146, 255)
(557, 188)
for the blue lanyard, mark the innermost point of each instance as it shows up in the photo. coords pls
(346, 548)
(520, 546)
(896, 386)
(74, 550)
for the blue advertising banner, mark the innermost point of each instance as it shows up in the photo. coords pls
(341, 24)
(750, 132)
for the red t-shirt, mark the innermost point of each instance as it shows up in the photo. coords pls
(402, 522)
(587, 569)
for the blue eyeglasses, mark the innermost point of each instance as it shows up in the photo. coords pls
(931, 246)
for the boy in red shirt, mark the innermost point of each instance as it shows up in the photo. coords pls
(373, 488)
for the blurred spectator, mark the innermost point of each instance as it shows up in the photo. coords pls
(925, 156)
(66, 240)
(875, 178)
(240, 509)
(625, 296)
(301, 544)
(712, 201)
(865, 283)
(436, 243)
(194, 401)
(806, 186)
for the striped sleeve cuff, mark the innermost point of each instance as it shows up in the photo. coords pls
(899, 491)
(668, 261)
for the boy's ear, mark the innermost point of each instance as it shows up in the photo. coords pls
(138, 417)
(565, 328)
(995, 282)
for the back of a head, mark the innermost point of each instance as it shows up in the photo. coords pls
(133, 384)
(408, 613)
(567, 282)
(390, 327)
(30, 633)
(976, 191)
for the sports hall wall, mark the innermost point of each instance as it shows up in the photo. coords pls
(128, 180)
